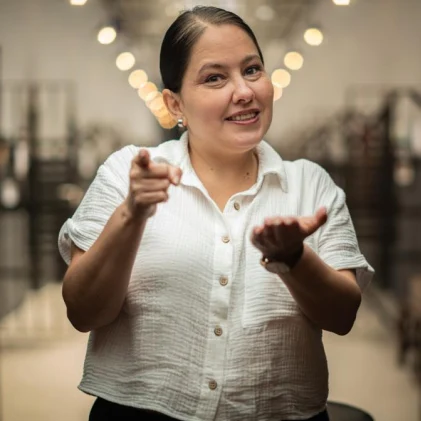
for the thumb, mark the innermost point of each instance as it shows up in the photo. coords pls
(311, 224)
(321, 215)
(174, 175)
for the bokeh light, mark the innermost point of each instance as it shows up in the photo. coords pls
(107, 35)
(281, 78)
(313, 36)
(294, 60)
(125, 61)
(138, 78)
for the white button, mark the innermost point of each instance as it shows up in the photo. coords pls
(223, 280)
(237, 206)
(213, 385)
(218, 331)
(225, 239)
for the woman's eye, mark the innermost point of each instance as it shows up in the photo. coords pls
(253, 70)
(213, 78)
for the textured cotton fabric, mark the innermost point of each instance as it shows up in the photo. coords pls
(206, 333)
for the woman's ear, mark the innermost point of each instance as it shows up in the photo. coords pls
(173, 103)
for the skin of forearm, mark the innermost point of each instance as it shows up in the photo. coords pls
(96, 282)
(329, 298)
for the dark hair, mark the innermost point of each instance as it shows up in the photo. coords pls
(184, 33)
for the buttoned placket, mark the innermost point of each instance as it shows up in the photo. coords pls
(217, 322)
(228, 229)
(227, 225)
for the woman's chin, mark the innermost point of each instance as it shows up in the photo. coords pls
(247, 137)
(247, 140)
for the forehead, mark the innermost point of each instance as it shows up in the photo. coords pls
(221, 44)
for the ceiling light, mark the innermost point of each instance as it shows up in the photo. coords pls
(277, 93)
(149, 97)
(157, 106)
(160, 113)
(294, 60)
(78, 2)
(281, 78)
(167, 121)
(138, 78)
(313, 36)
(107, 35)
(125, 61)
(342, 2)
(147, 89)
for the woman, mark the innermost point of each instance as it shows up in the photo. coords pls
(207, 268)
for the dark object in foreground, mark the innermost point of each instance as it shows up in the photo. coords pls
(344, 412)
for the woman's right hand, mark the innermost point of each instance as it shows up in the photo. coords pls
(149, 183)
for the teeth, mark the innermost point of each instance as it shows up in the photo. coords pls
(243, 117)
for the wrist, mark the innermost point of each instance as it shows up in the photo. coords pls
(293, 259)
(283, 263)
(130, 217)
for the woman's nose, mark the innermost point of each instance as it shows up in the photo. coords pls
(242, 92)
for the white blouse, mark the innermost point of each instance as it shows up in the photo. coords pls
(206, 333)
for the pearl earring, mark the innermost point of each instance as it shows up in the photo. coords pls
(180, 123)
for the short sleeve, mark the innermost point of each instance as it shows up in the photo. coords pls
(337, 242)
(107, 191)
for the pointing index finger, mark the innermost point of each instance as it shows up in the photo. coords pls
(143, 158)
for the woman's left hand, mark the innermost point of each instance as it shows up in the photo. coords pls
(280, 237)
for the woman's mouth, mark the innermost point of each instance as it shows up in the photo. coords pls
(244, 118)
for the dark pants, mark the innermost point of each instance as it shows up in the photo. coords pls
(103, 410)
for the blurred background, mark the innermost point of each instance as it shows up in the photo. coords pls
(79, 79)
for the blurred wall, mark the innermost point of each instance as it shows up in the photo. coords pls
(368, 42)
(52, 40)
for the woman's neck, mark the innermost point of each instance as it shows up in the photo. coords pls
(230, 167)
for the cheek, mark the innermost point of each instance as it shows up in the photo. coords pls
(267, 92)
(210, 104)
(266, 99)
